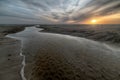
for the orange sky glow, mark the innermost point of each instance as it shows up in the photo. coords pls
(109, 19)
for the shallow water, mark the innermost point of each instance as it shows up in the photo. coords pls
(77, 51)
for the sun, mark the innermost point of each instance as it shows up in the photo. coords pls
(93, 21)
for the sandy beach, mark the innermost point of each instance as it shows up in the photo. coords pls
(58, 57)
(10, 62)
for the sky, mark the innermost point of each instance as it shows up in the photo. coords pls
(59, 11)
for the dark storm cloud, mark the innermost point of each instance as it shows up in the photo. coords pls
(59, 10)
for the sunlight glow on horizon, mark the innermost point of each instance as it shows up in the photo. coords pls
(93, 21)
(109, 19)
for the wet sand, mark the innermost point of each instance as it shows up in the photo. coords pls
(103, 33)
(10, 62)
(62, 57)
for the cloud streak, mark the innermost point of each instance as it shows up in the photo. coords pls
(57, 11)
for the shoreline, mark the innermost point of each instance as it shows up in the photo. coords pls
(67, 57)
(10, 61)
(83, 33)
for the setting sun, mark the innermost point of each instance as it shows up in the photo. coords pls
(93, 21)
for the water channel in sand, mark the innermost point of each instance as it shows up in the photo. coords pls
(72, 44)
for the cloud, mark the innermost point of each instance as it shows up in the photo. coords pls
(97, 8)
(58, 10)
